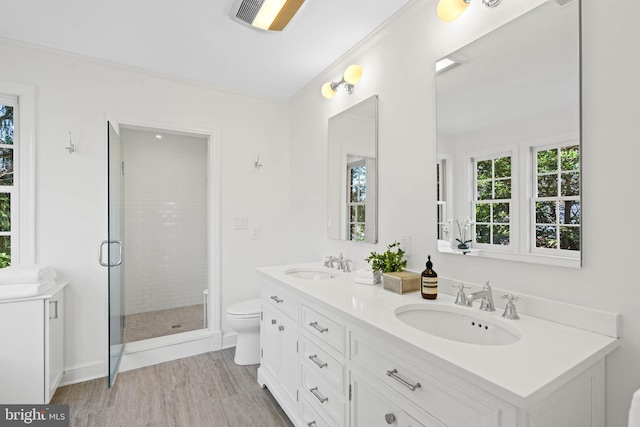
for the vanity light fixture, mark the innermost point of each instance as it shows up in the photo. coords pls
(267, 15)
(351, 76)
(449, 10)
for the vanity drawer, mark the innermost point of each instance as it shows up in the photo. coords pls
(323, 398)
(320, 362)
(280, 298)
(322, 327)
(311, 418)
(434, 393)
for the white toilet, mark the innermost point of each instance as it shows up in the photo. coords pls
(244, 318)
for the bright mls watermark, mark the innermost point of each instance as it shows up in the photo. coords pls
(34, 415)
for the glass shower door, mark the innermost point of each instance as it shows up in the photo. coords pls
(114, 250)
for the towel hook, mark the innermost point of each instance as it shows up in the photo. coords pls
(257, 163)
(71, 147)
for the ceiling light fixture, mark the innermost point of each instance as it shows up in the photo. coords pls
(449, 10)
(267, 15)
(350, 78)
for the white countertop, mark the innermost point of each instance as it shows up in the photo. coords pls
(546, 354)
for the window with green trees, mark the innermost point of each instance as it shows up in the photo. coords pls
(557, 198)
(357, 194)
(492, 204)
(7, 184)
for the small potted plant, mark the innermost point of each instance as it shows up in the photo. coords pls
(463, 242)
(390, 265)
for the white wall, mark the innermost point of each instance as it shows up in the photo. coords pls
(165, 215)
(78, 95)
(398, 65)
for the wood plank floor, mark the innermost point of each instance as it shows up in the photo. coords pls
(204, 390)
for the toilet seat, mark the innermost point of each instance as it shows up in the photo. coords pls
(249, 309)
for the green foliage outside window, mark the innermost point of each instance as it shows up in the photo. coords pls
(6, 179)
(558, 211)
(492, 207)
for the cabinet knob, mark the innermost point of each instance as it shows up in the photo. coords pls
(273, 321)
(390, 418)
(281, 328)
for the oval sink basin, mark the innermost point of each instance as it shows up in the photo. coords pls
(310, 273)
(457, 325)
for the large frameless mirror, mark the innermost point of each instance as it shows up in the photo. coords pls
(508, 141)
(352, 173)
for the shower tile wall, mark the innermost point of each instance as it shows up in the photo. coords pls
(165, 220)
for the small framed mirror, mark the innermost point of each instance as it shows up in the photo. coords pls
(352, 175)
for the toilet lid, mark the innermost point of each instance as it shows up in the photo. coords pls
(245, 308)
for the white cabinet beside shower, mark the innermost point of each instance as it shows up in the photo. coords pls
(31, 332)
(279, 370)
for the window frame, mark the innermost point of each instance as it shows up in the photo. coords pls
(359, 163)
(533, 199)
(492, 154)
(23, 190)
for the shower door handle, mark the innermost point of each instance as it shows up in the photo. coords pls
(109, 242)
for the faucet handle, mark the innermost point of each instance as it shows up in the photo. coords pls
(487, 300)
(510, 311)
(461, 297)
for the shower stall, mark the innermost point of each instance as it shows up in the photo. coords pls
(165, 236)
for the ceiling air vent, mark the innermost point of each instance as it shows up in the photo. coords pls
(563, 3)
(246, 10)
(266, 15)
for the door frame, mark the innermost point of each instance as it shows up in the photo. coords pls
(213, 332)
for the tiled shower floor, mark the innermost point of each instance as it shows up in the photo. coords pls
(152, 324)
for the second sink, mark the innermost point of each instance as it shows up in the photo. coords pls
(310, 273)
(457, 324)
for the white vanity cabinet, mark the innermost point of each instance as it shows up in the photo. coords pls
(279, 367)
(32, 356)
(349, 362)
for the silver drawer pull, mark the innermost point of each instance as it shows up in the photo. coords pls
(394, 374)
(319, 328)
(276, 299)
(314, 359)
(311, 423)
(318, 396)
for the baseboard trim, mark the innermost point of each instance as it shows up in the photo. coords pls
(82, 373)
(151, 352)
(229, 339)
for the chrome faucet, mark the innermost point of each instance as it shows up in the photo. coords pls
(343, 263)
(487, 298)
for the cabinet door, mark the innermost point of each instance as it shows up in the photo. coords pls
(371, 406)
(22, 356)
(269, 335)
(54, 343)
(289, 371)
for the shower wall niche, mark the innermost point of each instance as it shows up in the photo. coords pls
(165, 232)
